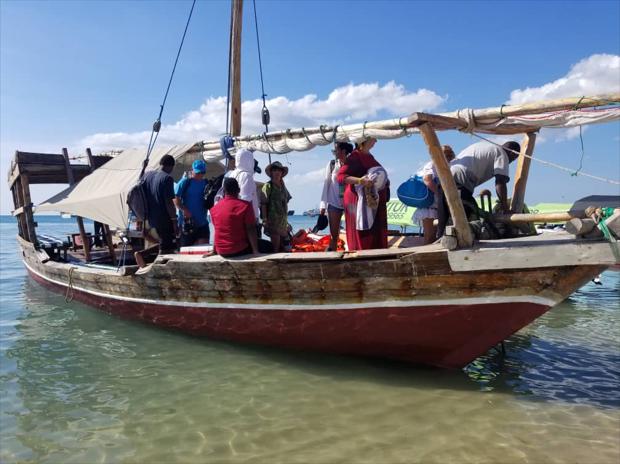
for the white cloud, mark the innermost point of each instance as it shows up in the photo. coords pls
(312, 177)
(343, 105)
(597, 74)
(569, 134)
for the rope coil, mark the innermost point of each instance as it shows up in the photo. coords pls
(69, 298)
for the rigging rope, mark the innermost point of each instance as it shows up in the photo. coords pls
(548, 163)
(70, 292)
(266, 119)
(157, 123)
(230, 38)
(582, 153)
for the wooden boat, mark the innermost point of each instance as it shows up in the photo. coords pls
(442, 304)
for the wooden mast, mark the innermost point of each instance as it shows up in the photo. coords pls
(235, 67)
(236, 22)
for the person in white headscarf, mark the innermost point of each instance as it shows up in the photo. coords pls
(244, 174)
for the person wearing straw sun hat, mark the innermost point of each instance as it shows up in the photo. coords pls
(354, 174)
(274, 205)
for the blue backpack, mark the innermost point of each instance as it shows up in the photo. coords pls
(413, 192)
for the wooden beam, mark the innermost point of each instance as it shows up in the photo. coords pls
(24, 157)
(20, 201)
(70, 178)
(439, 122)
(27, 203)
(544, 106)
(538, 217)
(523, 170)
(91, 160)
(577, 226)
(461, 224)
(14, 172)
(17, 203)
(84, 237)
(80, 221)
(108, 239)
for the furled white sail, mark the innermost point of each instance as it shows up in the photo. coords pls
(307, 138)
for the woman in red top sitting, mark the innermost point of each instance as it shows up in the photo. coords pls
(353, 173)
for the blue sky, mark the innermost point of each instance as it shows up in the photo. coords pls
(93, 73)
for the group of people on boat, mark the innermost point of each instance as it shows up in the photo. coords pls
(355, 186)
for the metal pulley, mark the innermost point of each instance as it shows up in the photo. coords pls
(265, 116)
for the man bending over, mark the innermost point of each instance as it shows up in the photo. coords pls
(475, 165)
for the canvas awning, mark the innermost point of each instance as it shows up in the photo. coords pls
(101, 196)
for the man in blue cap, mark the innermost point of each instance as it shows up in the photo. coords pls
(189, 200)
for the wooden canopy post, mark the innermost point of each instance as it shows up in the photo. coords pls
(18, 201)
(29, 218)
(18, 206)
(106, 227)
(463, 232)
(523, 170)
(80, 221)
(24, 211)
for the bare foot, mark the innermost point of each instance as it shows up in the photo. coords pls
(139, 259)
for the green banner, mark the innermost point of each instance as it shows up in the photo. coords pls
(399, 214)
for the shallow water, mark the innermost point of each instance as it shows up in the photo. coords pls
(81, 386)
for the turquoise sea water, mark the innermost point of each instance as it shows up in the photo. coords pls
(78, 385)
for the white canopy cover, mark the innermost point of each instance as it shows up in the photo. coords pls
(102, 195)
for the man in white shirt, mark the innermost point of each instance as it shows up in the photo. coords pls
(475, 165)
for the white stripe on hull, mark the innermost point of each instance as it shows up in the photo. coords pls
(376, 304)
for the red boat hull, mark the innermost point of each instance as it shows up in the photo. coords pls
(446, 335)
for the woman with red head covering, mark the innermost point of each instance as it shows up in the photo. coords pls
(354, 173)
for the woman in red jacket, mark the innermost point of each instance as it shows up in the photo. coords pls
(353, 173)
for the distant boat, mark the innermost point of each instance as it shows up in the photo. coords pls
(312, 212)
(291, 212)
